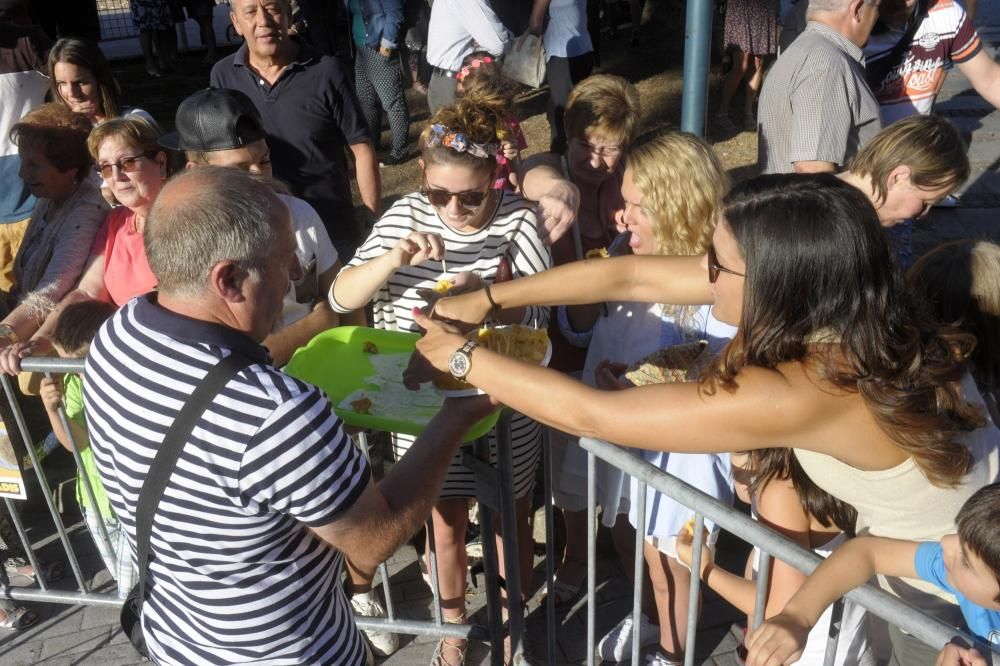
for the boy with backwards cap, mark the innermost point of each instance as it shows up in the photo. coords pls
(221, 127)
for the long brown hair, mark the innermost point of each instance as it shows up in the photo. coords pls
(86, 54)
(767, 465)
(819, 264)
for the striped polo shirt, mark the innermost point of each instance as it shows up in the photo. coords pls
(235, 574)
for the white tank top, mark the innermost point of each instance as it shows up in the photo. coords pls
(900, 503)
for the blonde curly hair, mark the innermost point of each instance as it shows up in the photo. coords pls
(682, 183)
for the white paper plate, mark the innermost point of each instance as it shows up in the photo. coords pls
(465, 393)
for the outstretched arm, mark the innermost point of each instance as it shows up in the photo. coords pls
(766, 411)
(780, 640)
(674, 280)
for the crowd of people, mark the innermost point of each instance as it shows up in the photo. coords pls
(842, 389)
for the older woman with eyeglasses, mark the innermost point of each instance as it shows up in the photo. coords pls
(52, 144)
(133, 165)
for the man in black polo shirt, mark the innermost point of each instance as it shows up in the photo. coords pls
(310, 112)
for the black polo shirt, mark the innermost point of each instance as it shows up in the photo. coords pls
(311, 114)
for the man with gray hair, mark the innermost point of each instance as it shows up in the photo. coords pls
(269, 494)
(815, 108)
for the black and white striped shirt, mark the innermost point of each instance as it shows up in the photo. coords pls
(235, 574)
(511, 232)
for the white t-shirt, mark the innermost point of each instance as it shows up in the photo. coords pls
(566, 34)
(316, 256)
(457, 27)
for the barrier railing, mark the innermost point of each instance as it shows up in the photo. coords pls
(495, 494)
(925, 628)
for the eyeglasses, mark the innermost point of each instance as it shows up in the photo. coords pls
(125, 164)
(714, 267)
(600, 151)
(442, 198)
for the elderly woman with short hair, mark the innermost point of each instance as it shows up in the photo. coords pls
(52, 143)
(134, 167)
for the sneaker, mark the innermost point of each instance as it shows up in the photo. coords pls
(616, 646)
(383, 643)
(660, 659)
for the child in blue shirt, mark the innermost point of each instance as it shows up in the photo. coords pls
(966, 564)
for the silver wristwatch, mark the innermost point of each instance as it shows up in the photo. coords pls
(460, 362)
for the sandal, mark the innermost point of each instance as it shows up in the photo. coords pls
(18, 618)
(451, 651)
(20, 567)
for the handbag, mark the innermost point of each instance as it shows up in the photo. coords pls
(525, 62)
(156, 482)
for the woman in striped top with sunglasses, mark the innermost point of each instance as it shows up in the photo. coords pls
(458, 228)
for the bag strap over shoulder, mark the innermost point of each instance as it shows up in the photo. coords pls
(876, 72)
(170, 450)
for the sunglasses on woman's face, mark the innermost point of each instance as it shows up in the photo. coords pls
(125, 165)
(442, 198)
(714, 267)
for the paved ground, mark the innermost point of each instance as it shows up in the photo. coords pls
(89, 635)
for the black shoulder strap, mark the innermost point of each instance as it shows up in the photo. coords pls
(166, 458)
(875, 72)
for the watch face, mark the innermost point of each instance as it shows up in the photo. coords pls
(458, 364)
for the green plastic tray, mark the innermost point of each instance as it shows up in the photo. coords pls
(336, 362)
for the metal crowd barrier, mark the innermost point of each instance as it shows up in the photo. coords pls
(495, 494)
(927, 629)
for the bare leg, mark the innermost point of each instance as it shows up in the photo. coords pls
(146, 44)
(741, 61)
(572, 569)
(755, 77)
(449, 518)
(525, 547)
(623, 538)
(671, 586)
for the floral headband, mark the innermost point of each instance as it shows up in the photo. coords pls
(475, 64)
(457, 141)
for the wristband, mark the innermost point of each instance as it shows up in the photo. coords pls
(489, 296)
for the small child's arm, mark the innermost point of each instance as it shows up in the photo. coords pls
(781, 639)
(51, 392)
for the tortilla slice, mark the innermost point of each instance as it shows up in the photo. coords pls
(517, 341)
(670, 365)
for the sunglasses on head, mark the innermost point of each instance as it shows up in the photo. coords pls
(442, 198)
(714, 267)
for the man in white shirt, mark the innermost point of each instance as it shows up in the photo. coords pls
(457, 28)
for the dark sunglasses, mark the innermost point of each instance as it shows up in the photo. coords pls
(714, 267)
(442, 198)
(125, 164)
